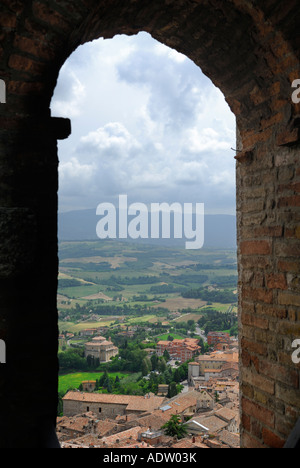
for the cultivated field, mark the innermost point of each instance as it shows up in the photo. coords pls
(104, 281)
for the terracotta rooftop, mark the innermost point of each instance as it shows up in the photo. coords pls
(154, 420)
(213, 423)
(219, 356)
(137, 445)
(228, 438)
(179, 404)
(130, 434)
(184, 443)
(226, 414)
(77, 424)
(132, 402)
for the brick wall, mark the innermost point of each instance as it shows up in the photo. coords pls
(269, 305)
(250, 49)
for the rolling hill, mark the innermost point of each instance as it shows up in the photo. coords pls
(220, 230)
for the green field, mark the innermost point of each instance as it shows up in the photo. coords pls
(176, 336)
(72, 381)
(140, 283)
(77, 327)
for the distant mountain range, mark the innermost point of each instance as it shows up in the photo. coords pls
(219, 230)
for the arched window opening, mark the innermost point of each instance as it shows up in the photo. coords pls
(149, 125)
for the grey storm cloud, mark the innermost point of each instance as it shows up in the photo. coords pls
(174, 86)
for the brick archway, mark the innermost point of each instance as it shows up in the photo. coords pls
(251, 52)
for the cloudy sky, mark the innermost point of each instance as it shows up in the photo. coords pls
(146, 123)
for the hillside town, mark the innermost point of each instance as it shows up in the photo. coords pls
(207, 408)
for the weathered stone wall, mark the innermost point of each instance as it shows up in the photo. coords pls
(250, 49)
(102, 410)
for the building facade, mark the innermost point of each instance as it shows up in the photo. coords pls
(180, 350)
(109, 405)
(100, 348)
(218, 338)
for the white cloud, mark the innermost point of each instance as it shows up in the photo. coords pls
(70, 95)
(146, 122)
(113, 140)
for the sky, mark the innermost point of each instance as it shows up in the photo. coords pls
(147, 123)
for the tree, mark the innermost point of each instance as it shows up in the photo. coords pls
(108, 386)
(166, 355)
(154, 361)
(72, 359)
(162, 366)
(174, 427)
(104, 378)
(172, 390)
(146, 367)
(177, 375)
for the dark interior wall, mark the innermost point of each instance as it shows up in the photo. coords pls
(250, 51)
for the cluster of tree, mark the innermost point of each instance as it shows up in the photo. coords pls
(145, 298)
(101, 267)
(226, 281)
(130, 281)
(189, 278)
(116, 288)
(72, 359)
(121, 281)
(223, 297)
(81, 249)
(154, 372)
(106, 383)
(165, 289)
(69, 283)
(155, 379)
(155, 364)
(98, 308)
(219, 321)
(214, 266)
(190, 325)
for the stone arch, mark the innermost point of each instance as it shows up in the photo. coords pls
(251, 52)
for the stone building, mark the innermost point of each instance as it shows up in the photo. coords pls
(218, 340)
(108, 405)
(205, 401)
(215, 364)
(180, 350)
(100, 348)
(88, 385)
